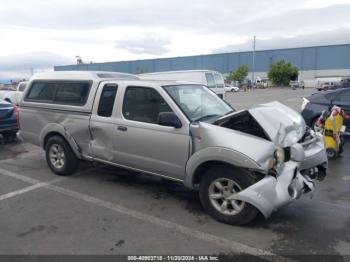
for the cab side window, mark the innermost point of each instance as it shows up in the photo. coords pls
(143, 104)
(107, 100)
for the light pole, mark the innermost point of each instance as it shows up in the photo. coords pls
(253, 69)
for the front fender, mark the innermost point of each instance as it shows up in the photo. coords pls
(220, 154)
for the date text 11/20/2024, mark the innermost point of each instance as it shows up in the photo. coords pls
(173, 258)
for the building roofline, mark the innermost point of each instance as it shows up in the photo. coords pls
(204, 55)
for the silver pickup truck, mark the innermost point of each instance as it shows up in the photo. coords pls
(241, 162)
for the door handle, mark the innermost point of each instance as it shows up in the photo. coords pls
(122, 128)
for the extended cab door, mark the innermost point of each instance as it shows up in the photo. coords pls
(103, 123)
(141, 142)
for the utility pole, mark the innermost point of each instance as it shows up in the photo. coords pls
(253, 71)
(79, 60)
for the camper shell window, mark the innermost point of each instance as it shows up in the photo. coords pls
(59, 92)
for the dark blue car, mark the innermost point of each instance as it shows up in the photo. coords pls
(314, 105)
(8, 120)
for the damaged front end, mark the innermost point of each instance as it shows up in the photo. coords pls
(272, 192)
(303, 156)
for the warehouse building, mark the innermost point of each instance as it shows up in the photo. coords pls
(313, 62)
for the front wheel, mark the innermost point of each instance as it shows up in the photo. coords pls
(217, 186)
(60, 157)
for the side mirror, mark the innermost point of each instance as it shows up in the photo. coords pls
(169, 119)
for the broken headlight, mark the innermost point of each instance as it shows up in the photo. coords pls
(279, 155)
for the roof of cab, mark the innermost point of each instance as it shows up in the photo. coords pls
(83, 75)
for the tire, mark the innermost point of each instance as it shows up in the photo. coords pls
(60, 157)
(331, 153)
(241, 179)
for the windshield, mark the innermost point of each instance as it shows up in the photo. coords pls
(198, 102)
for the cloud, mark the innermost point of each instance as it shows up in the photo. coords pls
(47, 32)
(34, 60)
(148, 45)
(300, 21)
(196, 15)
(331, 37)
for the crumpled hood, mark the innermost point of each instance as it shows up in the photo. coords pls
(281, 123)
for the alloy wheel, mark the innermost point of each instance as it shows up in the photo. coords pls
(220, 192)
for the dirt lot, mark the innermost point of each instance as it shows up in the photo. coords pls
(105, 210)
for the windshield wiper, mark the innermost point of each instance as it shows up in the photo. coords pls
(204, 117)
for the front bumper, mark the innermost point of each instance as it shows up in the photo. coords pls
(315, 152)
(270, 193)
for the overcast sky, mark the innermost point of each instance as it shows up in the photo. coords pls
(38, 34)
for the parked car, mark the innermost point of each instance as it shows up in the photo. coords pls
(262, 83)
(324, 86)
(345, 82)
(313, 105)
(212, 79)
(229, 88)
(242, 162)
(297, 84)
(8, 120)
(5, 90)
(14, 96)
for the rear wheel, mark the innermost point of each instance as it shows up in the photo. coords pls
(217, 186)
(60, 157)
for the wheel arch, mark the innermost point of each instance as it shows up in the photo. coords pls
(200, 170)
(51, 134)
(58, 130)
(209, 157)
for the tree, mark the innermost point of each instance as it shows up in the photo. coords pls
(281, 73)
(239, 75)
